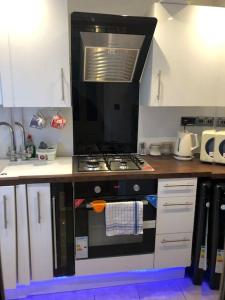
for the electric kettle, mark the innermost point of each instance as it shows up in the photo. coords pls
(186, 142)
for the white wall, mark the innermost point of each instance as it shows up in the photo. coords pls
(127, 7)
(62, 137)
(158, 124)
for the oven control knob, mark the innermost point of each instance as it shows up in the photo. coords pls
(97, 189)
(136, 187)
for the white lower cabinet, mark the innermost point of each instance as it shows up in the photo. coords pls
(175, 214)
(8, 236)
(173, 250)
(39, 208)
(175, 222)
(23, 251)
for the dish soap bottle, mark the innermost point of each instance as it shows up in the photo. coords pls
(30, 147)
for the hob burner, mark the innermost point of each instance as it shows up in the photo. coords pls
(110, 162)
(123, 165)
(92, 165)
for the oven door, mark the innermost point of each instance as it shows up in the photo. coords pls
(90, 233)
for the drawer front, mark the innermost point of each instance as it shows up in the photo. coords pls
(177, 187)
(173, 250)
(175, 214)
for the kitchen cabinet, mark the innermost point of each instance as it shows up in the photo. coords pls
(40, 225)
(23, 249)
(38, 43)
(8, 236)
(185, 65)
(173, 250)
(175, 222)
(6, 96)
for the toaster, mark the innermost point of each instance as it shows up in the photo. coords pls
(207, 145)
(219, 150)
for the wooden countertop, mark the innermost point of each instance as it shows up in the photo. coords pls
(165, 167)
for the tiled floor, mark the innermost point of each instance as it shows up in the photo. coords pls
(180, 289)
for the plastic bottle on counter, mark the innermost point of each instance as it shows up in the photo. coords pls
(30, 147)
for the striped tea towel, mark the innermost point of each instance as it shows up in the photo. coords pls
(122, 218)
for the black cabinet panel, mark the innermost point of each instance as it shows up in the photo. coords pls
(63, 228)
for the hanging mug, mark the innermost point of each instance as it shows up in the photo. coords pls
(58, 121)
(38, 121)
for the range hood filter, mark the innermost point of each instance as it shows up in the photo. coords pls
(109, 57)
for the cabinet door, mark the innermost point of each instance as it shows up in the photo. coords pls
(63, 228)
(6, 96)
(175, 214)
(8, 236)
(40, 231)
(184, 69)
(23, 251)
(39, 47)
(173, 250)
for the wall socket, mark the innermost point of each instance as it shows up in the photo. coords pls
(203, 121)
(220, 122)
(197, 121)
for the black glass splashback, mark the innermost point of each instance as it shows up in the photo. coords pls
(105, 118)
(106, 114)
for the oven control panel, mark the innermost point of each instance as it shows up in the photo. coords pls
(115, 188)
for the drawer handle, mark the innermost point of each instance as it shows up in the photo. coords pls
(164, 241)
(178, 185)
(5, 211)
(178, 204)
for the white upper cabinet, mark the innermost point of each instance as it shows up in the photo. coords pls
(6, 96)
(184, 66)
(39, 53)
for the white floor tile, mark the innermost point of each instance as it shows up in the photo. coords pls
(167, 290)
(128, 292)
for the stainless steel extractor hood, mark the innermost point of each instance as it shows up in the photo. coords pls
(110, 57)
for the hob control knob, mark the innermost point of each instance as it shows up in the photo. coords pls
(136, 187)
(97, 189)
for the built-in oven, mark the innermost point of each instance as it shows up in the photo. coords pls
(91, 240)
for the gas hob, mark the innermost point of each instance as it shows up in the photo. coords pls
(110, 163)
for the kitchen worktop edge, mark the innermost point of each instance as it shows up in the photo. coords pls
(165, 167)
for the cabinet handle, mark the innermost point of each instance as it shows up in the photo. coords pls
(39, 207)
(62, 85)
(164, 241)
(1, 90)
(159, 85)
(5, 211)
(54, 233)
(177, 204)
(178, 185)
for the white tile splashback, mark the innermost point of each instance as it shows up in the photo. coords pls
(156, 124)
